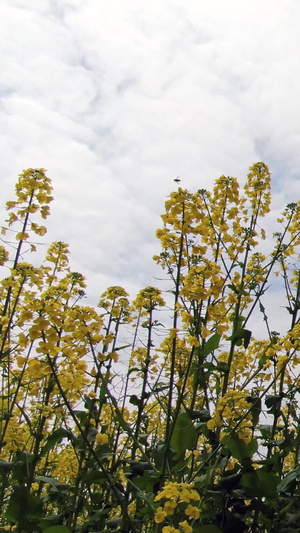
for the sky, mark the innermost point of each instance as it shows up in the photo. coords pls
(116, 99)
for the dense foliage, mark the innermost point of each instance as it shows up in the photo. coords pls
(148, 416)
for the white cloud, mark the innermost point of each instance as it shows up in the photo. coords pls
(116, 99)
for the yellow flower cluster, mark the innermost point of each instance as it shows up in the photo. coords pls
(179, 501)
(102, 438)
(148, 299)
(60, 358)
(231, 408)
(203, 281)
(115, 302)
(181, 492)
(33, 192)
(258, 188)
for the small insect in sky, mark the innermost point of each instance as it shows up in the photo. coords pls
(177, 179)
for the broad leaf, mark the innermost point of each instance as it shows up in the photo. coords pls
(239, 336)
(57, 529)
(211, 344)
(272, 400)
(23, 506)
(288, 480)
(239, 449)
(55, 438)
(184, 435)
(260, 484)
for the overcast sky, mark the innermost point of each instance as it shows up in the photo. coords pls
(116, 99)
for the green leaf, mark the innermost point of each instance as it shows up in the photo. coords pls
(159, 388)
(94, 477)
(133, 369)
(212, 344)
(202, 428)
(260, 484)
(209, 366)
(268, 482)
(210, 528)
(222, 366)
(103, 451)
(24, 506)
(145, 484)
(55, 438)
(255, 401)
(247, 337)
(272, 400)
(50, 480)
(113, 523)
(287, 445)
(134, 400)
(5, 467)
(251, 484)
(240, 335)
(233, 288)
(202, 415)
(138, 468)
(285, 483)
(230, 482)
(6, 416)
(82, 416)
(262, 361)
(158, 455)
(57, 529)
(93, 519)
(118, 348)
(184, 435)
(3, 354)
(266, 430)
(50, 520)
(20, 470)
(239, 449)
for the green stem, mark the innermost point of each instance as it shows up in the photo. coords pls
(169, 424)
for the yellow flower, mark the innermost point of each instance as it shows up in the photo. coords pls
(199, 250)
(114, 356)
(160, 515)
(270, 352)
(192, 512)
(109, 338)
(132, 508)
(282, 360)
(173, 332)
(187, 494)
(192, 341)
(169, 529)
(205, 332)
(186, 527)
(102, 438)
(231, 464)
(22, 236)
(169, 507)
(169, 491)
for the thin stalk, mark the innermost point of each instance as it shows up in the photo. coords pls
(3, 432)
(169, 425)
(16, 260)
(142, 402)
(108, 477)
